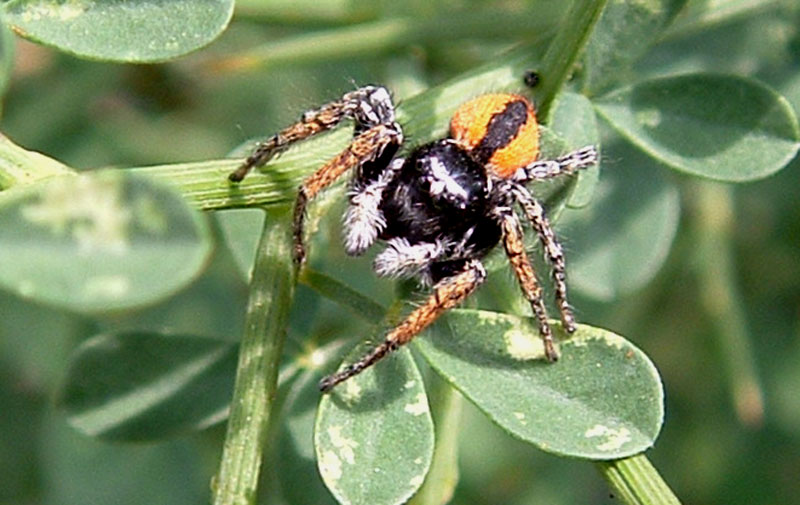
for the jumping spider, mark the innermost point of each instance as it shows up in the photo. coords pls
(441, 208)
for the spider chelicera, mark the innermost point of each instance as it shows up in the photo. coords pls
(441, 208)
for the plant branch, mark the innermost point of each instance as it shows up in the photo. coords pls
(636, 482)
(19, 166)
(267, 315)
(721, 299)
(564, 51)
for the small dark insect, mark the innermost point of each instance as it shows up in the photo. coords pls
(441, 208)
(530, 78)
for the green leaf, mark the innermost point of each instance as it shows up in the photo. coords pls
(76, 470)
(602, 400)
(576, 122)
(624, 33)
(98, 242)
(298, 476)
(618, 244)
(374, 433)
(146, 386)
(720, 127)
(556, 193)
(120, 30)
(240, 229)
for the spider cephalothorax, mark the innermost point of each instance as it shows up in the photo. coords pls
(441, 208)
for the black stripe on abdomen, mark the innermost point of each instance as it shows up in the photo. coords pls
(501, 130)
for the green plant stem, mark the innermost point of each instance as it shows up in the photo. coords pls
(446, 406)
(267, 315)
(720, 296)
(334, 290)
(636, 482)
(19, 166)
(564, 51)
(377, 37)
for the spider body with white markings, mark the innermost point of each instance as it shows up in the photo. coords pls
(441, 208)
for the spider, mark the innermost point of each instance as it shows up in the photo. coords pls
(441, 208)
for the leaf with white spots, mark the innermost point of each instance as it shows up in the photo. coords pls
(374, 433)
(297, 473)
(133, 31)
(602, 400)
(100, 241)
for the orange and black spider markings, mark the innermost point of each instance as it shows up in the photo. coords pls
(499, 130)
(441, 208)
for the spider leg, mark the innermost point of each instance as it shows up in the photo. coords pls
(363, 220)
(515, 250)
(447, 293)
(364, 148)
(368, 106)
(564, 165)
(535, 213)
(402, 259)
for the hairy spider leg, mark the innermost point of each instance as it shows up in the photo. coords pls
(364, 220)
(531, 289)
(447, 293)
(369, 106)
(364, 148)
(553, 251)
(402, 259)
(563, 165)
(312, 123)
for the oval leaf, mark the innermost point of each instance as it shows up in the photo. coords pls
(624, 33)
(297, 473)
(374, 433)
(619, 244)
(725, 128)
(76, 470)
(145, 386)
(241, 229)
(602, 400)
(575, 120)
(98, 242)
(129, 30)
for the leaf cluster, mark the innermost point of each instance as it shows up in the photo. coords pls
(133, 279)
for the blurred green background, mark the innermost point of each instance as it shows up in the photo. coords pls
(718, 315)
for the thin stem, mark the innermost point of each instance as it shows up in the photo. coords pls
(377, 37)
(267, 315)
(636, 482)
(721, 298)
(446, 406)
(334, 290)
(19, 166)
(565, 50)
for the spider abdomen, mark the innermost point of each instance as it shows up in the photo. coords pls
(499, 130)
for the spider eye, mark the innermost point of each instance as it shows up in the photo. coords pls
(499, 130)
